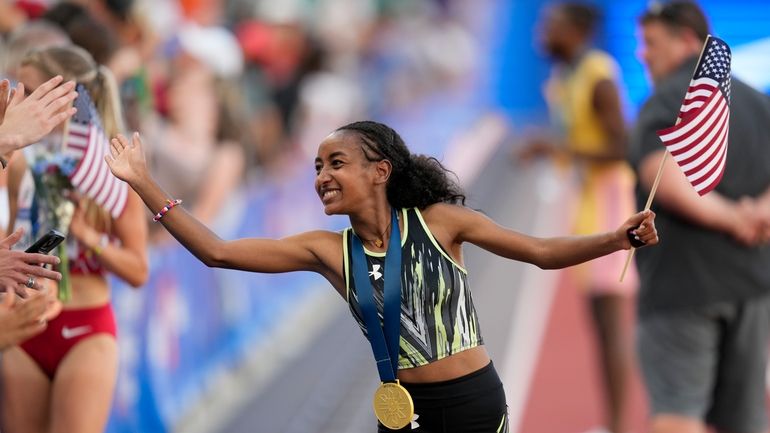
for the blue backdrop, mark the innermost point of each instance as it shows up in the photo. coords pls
(744, 24)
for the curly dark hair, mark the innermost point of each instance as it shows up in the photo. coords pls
(416, 180)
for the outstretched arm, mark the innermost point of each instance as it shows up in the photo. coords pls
(303, 252)
(465, 225)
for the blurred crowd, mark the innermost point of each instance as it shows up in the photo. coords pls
(229, 92)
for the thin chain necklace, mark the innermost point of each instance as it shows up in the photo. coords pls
(379, 241)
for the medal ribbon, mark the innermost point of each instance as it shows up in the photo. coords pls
(384, 345)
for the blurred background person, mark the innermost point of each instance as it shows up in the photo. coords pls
(589, 134)
(704, 303)
(23, 38)
(77, 354)
(24, 120)
(201, 154)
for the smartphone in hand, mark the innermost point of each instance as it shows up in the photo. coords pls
(45, 244)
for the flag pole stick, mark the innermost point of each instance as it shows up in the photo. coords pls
(646, 207)
(654, 188)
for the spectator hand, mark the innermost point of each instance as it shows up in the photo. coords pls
(126, 160)
(17, 267)
(21, 319)
(25, 120)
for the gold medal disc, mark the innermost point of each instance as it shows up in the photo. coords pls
(393, 405)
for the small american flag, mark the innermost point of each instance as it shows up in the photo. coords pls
(698, 141)
(89, 144)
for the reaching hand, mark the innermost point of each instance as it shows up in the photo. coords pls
(18, 269)
(642, 228)
(126, 160)
(25, 120)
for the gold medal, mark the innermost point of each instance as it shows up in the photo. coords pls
(393, 405)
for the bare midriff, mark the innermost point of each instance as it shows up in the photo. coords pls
(451, 367)
(87, 291)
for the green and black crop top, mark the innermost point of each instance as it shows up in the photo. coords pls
(437, 314)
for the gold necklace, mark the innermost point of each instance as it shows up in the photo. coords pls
(380, 241)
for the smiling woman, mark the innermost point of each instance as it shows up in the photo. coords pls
(401, 260)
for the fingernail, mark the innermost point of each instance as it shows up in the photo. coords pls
(637, 238)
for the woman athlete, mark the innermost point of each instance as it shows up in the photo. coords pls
(365, 171)
(63, 379)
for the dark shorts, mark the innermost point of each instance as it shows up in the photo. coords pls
(709, 363)
(474, 403)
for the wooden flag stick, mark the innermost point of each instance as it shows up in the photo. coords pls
(646, 207)
(654, 188)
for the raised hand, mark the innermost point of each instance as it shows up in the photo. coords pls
(641, 226)
(126, 159)
(25, 120)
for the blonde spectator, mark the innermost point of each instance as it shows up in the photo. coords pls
(77, 354)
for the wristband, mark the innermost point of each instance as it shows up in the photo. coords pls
(170, 205)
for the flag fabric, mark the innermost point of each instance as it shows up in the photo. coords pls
(698, 141)
(88, 143)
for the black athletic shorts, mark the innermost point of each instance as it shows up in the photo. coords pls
(474, 403)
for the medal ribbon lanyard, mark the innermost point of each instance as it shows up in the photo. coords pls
(384, 346)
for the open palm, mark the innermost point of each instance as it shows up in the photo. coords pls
(126, 159)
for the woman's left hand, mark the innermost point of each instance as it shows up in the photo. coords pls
(641, 227)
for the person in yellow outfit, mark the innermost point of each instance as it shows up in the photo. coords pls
(586, 114)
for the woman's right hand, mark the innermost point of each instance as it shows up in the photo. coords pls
(126, 159)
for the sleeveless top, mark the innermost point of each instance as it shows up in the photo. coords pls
(437, 314)
(570, 93)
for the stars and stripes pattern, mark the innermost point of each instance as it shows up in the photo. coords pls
(698, 141)
(89, 144)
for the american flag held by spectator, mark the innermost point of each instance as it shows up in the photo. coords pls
(698, 141)
(88, 142)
